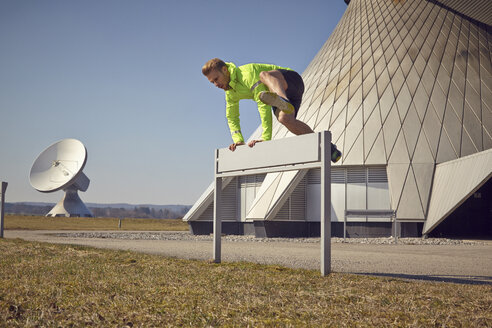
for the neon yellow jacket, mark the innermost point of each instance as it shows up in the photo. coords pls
(243, 79)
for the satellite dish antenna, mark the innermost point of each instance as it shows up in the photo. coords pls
(59, 167)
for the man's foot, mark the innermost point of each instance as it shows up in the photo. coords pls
(335, 154)
(272, 99)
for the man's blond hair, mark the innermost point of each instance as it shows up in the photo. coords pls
(213, 64)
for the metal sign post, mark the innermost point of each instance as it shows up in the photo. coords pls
(217, 212)
(2, 206)
(325, 203)
(289, 154)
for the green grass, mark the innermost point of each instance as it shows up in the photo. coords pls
(62, 285)
(62, 223)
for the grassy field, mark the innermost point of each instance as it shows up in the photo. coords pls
(71, 286)
(62, 223)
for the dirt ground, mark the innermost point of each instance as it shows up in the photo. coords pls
(469, 264)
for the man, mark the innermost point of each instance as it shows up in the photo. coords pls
(274, 88)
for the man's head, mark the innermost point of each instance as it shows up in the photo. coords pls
(217, 73)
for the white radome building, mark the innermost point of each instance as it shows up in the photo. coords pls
(405, 87)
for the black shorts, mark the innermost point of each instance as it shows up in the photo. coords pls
(295, 88)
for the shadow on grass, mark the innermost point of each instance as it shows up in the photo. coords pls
(467, 280)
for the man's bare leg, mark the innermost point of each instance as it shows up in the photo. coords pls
(275, 82)
(290, 122)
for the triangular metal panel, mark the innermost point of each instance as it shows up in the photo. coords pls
(444, 75)
(370, 103)
(352, 111)
(423, 177)
(432, 129)
(487, 121)
(396, 180)
(386, 102)
(354, 103)
(313, 107)
(452, 126)
(337, 130)
(355, 84)
(391, 128)
(355, 70)
(454, 182)
(406, 64)
(412, 81)
(380, 67)
(318, 93)
(422, 152)
(411, 129)
(393, 63)
(397, 81)
(285, 179)
(410, 206)
(328, 100)
(467, 145)
(201, 204)
(204, 201)
(353, 130)
(339, 107)
(287, 185)
(472, 125)
(377, 153)
(371, 129)
(487, 117)
(438, 100)
(445, 152)
(262, 202)
(419, 65)
(486, 91)
(472, 96)
(311, 122)
(428, 79)
(342, 85)
(399, 154)
(368, 83)
(383, 82)
(355, 155)
(323, 120)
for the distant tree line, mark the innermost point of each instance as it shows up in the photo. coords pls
(143, 212)
(24, 209)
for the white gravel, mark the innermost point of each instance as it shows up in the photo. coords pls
(239, 238)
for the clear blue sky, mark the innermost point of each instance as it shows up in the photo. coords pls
(124, 77)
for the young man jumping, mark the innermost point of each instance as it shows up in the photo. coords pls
(274, 88)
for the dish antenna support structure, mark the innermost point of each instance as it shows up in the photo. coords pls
(59, 167)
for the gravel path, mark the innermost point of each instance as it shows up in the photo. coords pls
(178, 235)
(412, 258)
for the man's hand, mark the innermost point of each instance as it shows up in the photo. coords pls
(252, 143)
(234, 145)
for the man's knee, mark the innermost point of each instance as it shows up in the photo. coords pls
(273, 79)
(265, 76)
(286, 119)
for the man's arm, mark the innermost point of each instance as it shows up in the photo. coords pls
(265, 113)
(232, 114)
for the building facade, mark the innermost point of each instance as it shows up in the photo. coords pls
(405, 87)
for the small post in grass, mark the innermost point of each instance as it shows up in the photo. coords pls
(2, 207)
(119, 223)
